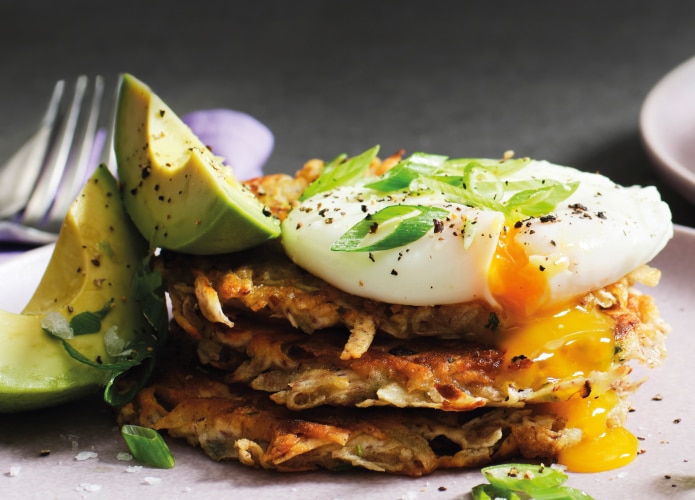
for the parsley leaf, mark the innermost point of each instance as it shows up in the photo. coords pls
(90, 321)
(141, 352)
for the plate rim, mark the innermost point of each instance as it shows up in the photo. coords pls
(679, 176)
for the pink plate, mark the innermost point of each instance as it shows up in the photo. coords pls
(83, 455)
(667, 123)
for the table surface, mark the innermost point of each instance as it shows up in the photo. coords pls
(551, 80)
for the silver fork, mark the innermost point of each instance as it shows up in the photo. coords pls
(46, 174)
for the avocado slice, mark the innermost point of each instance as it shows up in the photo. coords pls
(179, 194)
(96, 256)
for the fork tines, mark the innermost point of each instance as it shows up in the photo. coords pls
(73, 151)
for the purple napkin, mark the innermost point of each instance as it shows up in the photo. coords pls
(243, 142)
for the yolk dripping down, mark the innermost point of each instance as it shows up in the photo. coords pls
(545, 349)
(602, 447)
(547, 346)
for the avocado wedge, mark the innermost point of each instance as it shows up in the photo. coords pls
(96, 256)
(179, 194)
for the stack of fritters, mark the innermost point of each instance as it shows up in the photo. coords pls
(291, 374)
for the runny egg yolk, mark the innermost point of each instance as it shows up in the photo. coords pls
(544, 347)
(602, 447)
(515, 283)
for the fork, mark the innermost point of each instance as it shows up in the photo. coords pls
(43, 177)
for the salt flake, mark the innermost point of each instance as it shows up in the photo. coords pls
(124, 457)
(85, 455)
(89, 487)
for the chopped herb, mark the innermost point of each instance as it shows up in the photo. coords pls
(523, 481)
(482, 183)
(148, 290)
(404, 173)
(90, 322)
(105, 247)
(126, 355)
(493, 322)
(341, 172)
(147, 446)
(402, 224)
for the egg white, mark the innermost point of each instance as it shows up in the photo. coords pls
(593, 238)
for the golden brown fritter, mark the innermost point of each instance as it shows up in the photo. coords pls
(267, 284)
(215, 410)
(303, 371)
(279, 192)
(234, 423)
(211, 295)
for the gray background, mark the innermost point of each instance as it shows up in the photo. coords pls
(562, 81)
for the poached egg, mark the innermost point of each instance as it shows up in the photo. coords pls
(590, 239)
(529, 265)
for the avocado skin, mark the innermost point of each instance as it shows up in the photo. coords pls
(96, 256)
(179, 194)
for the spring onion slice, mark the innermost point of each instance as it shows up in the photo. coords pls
(341, 173)
(476, 182)
(499, 168)
(490, 492)
(405, 172)
(542, 200)
(463, 195)
(526, 481)
(524, 477)
(560, 493)
(403, 224)
(147, 446)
